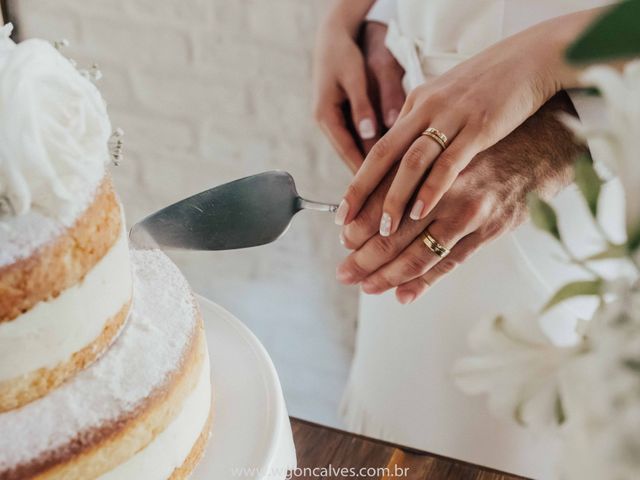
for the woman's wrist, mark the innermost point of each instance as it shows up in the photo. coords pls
(349, 14)
(560, 33)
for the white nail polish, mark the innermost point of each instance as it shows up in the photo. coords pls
(416, 211)
(342, 240)
(385, 225)
(342, 212)
(391, 118)
(366, 130)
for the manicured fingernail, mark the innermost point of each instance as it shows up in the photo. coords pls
(391, 118)
(416, 211)
(344, 276)
(385, 225)
(342, 212)
(342, 239)
(405, 297)
(366, 130)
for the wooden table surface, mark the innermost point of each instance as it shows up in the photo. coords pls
(323, 448)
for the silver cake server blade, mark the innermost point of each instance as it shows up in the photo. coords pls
(252, 211)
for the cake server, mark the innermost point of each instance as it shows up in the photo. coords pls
(252, 211)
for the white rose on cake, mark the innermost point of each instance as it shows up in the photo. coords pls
(54, 130)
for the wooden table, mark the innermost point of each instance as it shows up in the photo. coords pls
(322, 447)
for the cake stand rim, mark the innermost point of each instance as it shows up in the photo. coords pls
(274, 451)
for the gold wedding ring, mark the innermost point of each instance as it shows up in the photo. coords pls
(435, 246)
(437, 135)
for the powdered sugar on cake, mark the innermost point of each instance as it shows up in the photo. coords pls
(53, 144)
(159, 329)
(21, 235)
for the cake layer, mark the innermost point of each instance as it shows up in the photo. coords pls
(116, 407)
(171, 448)
(53, 330)
(197, 452)
(19, 391)
(43, 347)
(53, 257)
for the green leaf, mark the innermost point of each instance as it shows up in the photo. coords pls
(615, 34)
(633, 364)
(574, 289)
(542, 215)
(588, 182)
(614, 251)
(589, 91)
(561, 416)
(634, 240)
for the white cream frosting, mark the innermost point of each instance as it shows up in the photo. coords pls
(171, 447)
(162, 322)
(53, 330)
(54, 129)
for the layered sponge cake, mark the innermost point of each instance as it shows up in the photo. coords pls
(104, 369)
(63, 296)
(141, 411)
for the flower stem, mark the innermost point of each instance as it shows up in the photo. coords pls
(577, 261)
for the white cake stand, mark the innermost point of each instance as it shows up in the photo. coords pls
(251, 434)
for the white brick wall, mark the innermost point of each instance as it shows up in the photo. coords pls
(208, 91)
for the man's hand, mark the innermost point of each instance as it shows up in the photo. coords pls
(487, 200)
(355, 88)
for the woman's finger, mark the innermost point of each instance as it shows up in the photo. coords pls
(355, 85)
(410, 291)
(417, 259)
(444, 171)
(414, 165)
(331, 120)
(376, 165)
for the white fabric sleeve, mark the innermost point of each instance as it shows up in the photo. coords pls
(383, 11)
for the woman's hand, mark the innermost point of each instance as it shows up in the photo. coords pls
(369, 81)
(475, 105)
(486, 200)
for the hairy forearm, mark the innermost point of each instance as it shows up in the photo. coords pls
(539, 155)
(350, 13)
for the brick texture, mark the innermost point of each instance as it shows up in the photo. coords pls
(208, 91)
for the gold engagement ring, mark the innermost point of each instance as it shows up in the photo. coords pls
(435, 134)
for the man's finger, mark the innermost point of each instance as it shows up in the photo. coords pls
(410, 291)
(376, 252)
(367, 223)
(417, 259)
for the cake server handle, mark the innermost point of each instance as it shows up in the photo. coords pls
(318, 206)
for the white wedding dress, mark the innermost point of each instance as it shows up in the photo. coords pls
(401, 388)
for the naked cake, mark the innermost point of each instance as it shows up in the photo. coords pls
(104, 369)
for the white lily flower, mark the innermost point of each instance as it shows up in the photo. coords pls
(614, 138)
(601, 393)
(518, 367)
